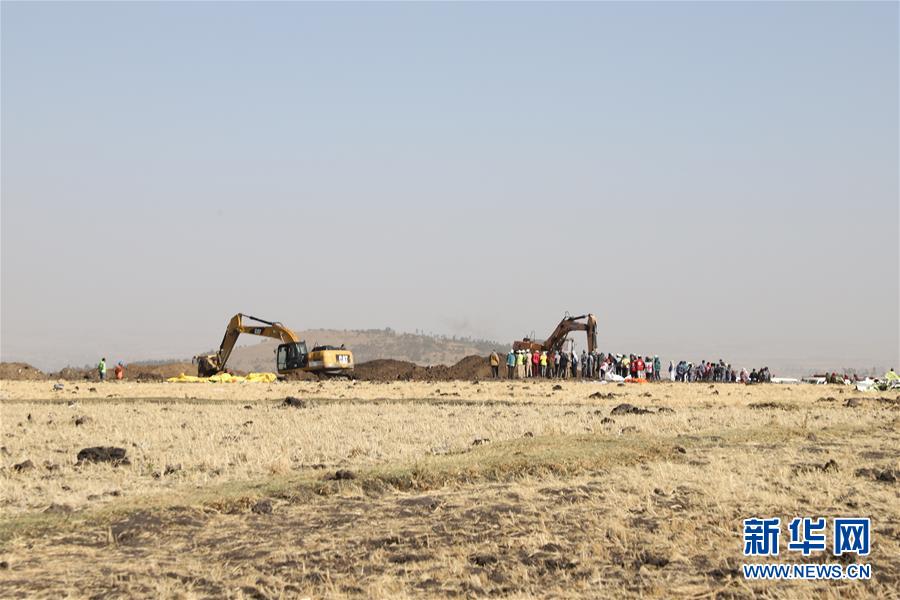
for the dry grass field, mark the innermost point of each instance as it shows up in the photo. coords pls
(405, 489)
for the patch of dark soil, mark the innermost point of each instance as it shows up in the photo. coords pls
(25, 465)
(829, 467)
(110, 454)
(888, 475)
(854, 402)
(602, 396)
(629, 409)
(134, 526)
(429, 502)
(650, 558)
(295, 402)
(644, 523)
(483, 560)
(772, 405)
(342, 475)
(169, 470)
(263, 507)
(408, 557)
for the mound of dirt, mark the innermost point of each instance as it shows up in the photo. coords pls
(470, 367)
(385, 369)
(159, 372)
(134, 372)
(20, 372)
(75, 374)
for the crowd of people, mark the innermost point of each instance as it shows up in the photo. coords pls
(524, 364)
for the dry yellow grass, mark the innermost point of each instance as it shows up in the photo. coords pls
(558, 502)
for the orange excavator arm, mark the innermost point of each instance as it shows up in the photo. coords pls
(565, 327)
(214, 363)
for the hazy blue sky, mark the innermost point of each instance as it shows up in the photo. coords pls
(711, 179)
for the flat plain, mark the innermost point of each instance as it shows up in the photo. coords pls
(434, 489)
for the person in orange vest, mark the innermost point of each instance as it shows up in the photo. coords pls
(120, 370)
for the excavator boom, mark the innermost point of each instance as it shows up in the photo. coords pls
(566, 326)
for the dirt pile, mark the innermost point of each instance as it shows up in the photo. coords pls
(159, 372)
(135, 372)
(20, 372)
(470, 367)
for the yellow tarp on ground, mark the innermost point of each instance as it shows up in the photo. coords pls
(225, 378)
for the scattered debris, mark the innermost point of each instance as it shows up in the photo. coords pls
(342, 474)
(557, 387)
(775, 405)
(263, 507)
(109, 454)
(295, 402)
(888, 475)
(483, 560)
(25, 465)
(628, 409)
(480, 441)
(607, 421)
(829, 467)
(82, 420)
(602, 396)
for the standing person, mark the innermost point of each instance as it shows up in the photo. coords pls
(495, 365)
(585, 367)
(526, 362)
(510, 364)
(563, 368)
(574, 359)
(671, 370)
(520, 365)
(544, 363)
(536, 364)
(648, 367)
(101, 369)
(119, 371)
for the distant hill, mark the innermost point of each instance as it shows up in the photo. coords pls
(369, 344)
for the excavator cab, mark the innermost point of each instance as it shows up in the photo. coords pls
(291, 356)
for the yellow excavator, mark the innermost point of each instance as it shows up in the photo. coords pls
(559, 335)
(292, 355)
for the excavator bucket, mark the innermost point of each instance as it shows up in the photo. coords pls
(207, 366)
